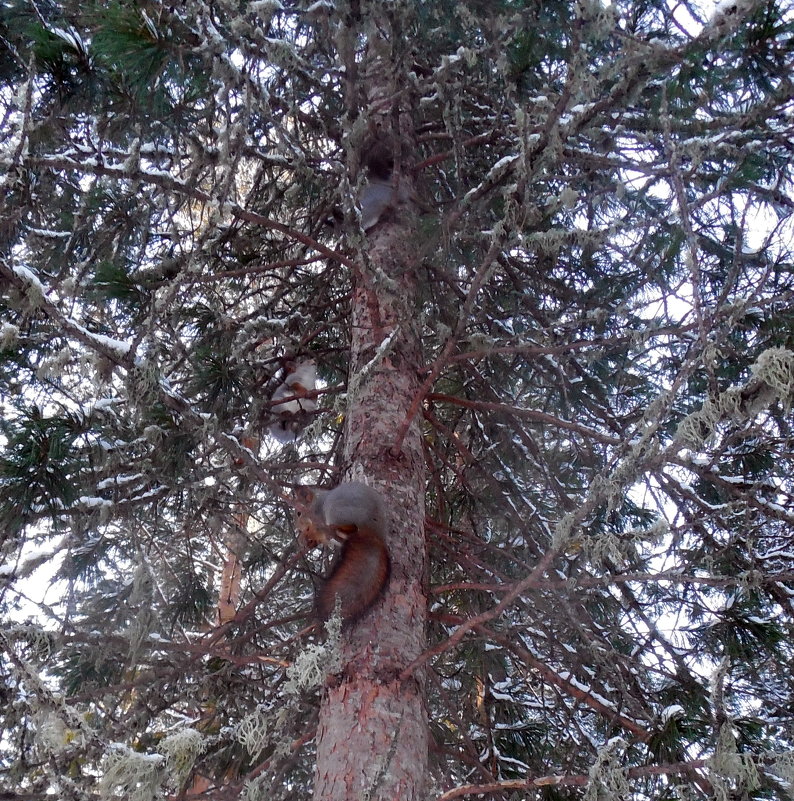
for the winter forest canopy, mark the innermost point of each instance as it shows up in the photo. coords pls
(562, 348)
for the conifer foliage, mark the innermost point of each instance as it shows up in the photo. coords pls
(596, 269)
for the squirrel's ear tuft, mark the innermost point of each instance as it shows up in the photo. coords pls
(303, 495)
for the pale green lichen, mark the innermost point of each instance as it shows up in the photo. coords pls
(256, 789)
(607, 779)
(732, 774)
(317, 660)
(51, 732)
(782, 766)
(130, 775)
(775, 367)
(181, 750)
(8, 336)
(254, 731)
(773, 379)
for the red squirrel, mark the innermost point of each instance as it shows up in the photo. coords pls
(300, 379)
(355, 515)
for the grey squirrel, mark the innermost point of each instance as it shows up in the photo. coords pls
(383, 190)
(354, 514)
(376, 197)
(382, 194)
(299, 380)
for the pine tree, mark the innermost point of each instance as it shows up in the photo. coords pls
(562, 352)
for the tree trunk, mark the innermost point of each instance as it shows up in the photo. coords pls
(372, 735)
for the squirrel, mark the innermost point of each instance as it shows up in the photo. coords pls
(299, 380)
(354, 514)
(378, 192)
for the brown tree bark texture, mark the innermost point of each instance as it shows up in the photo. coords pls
(372, 738)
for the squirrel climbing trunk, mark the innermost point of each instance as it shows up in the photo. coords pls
(355, 515)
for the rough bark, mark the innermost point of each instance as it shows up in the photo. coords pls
(231, 575)
(372, 735)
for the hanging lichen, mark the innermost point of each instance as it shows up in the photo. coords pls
(130, 775)
(318, 660)
(254, 731)
(181, 750)
(731, 772)
(775, 367)
(773, 379)
(782, 766)
(607, 779)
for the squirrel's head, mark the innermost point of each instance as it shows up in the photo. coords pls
(311, 533)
